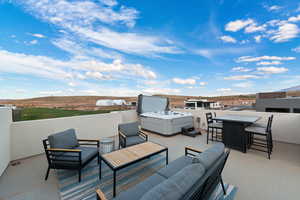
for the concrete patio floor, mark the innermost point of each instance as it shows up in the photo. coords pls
(255, 176)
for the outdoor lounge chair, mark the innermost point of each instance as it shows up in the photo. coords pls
(130, 134)
(65, 151)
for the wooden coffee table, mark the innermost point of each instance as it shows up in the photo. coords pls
(122, 158)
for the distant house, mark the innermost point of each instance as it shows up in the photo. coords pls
(110, 102)
(277, 102)
(201, 104)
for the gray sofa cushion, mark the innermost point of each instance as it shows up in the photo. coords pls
(134, 140)
(208, 157)
(129, 129)
(86, 154)
(175, 187)
(66, 139)
(175, 166)
(141, 188)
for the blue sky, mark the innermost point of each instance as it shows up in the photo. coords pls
(123, 48)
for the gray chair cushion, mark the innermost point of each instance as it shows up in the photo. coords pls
(132, 140)
(256, 129)
(175, 166)
(216, 125)
(66, 139)
(137, 191)
(208, 157)
(175, 187)
(86, 154)
(129, 129)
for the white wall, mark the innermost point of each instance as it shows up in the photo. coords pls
(27, 136)
(285, 128)
(129, 116)
(5, 122)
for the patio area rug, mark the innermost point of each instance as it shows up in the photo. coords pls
(71, 189)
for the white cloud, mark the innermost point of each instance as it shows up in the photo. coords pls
(20, 91)
(80, 12)
(33, 42)
(127, 42)
(188, 81)
(296, 49)
(228, 39)
(294, 18)
(247, 84)
(161, 91)
(98, 75)
(81, 50)
(241, 77)
(86, 20)
(203, 83)
(260, 58)
(46, 67)
(269, 63)
(285, 33)
(210, 53)
(38, 35)
(72, 84)
(272, 70)
(51, 93)
(273, 8)
(224, 90)
(240, 69)
(254, 28)
(237, 25)
(109, 2)
(257, 38)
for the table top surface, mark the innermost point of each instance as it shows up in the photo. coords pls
(237, 118)
(130, 154)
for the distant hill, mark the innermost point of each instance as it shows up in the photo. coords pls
(89, 102)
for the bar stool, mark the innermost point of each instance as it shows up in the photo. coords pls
(212, 126)
(261, 137)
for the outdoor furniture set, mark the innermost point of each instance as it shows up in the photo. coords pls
(241, 132)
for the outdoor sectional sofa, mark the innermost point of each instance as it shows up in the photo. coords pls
(193, 176)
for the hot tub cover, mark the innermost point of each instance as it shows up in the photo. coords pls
(152, 104)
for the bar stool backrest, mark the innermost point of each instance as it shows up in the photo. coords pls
(209, 118)
(269, 126)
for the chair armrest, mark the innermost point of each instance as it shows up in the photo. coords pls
(63, 150)
(122, 134)
(122, 139)
(100, 195)
(143, 134)
(89, 142)
(187, 149)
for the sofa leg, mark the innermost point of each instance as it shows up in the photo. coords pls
(47, 173)
(207, 135)
(79, 175)
(223, 187)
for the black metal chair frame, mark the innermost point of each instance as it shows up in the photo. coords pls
(53, 157)
(122, 138)
(266, 142)
(210, 129)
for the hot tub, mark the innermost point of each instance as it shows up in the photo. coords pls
(155, 117)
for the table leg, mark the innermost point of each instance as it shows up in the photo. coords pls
(167, 157)
(114, 187)
(100, 161)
